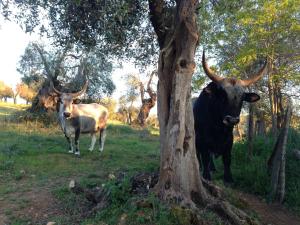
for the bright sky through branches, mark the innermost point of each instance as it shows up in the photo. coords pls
(13, 41)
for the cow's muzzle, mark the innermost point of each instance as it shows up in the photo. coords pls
(67, 114)
(230, 120)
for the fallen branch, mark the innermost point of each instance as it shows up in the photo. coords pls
(98, 196)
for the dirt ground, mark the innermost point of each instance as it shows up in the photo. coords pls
(270, 214)
(38, 205)
(35, 205)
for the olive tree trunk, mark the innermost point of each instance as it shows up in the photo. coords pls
(179, 176)
(179, 169)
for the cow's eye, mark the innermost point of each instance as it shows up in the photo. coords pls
(76, 101)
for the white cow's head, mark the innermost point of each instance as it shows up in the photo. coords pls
(66, 100)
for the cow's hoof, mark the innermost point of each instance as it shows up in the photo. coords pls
(77, 154)
(101, 150)
(228, 182)
(90, 149)
(71, 151)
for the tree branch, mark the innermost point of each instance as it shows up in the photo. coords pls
(46, 64)
(156, 8)
(59, 62)
(149, 89)
(142, 91)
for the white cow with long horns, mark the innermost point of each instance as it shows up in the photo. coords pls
(81, 118)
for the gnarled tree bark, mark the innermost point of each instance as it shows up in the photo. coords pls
(179, 176)
(179, 170)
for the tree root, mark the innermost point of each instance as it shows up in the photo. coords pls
(223, 208)
(214, 202)
(212, 189)
(230, 213)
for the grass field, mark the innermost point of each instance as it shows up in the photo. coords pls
(34, 159)
(252, 176)
(35, 171)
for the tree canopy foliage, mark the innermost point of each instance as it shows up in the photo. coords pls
(26, 92)
(68, 68)
(242, 35)
(115, 28)
(5, 91)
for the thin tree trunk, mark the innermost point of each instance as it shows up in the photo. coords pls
(250, 133)
(260, 126)
(271, 97)
(280, 109)
(276, 163)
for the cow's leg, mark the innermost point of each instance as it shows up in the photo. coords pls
(94, 139)
(205, 158)
(69, 139)
(227, 162)
(102, 139)
(77, 134)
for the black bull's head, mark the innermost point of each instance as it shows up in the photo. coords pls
(228, 94)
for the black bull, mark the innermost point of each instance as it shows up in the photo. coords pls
(216, 111)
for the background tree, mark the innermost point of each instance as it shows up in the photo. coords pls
(242, 36)
(126, 106)
(111, 105)
(147, 103)
(65, 69)
(15, 94)
(26, 92)
(135, 87)
(277, 161)
(5, 91)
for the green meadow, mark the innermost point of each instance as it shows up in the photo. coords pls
(35, 171)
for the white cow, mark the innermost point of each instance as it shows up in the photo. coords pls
(81, 118)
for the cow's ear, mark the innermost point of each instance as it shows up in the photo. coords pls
(251, 97)
(76, 101)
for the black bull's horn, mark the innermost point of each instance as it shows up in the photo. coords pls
(245, 83)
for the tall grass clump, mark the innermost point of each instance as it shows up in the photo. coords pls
(252, 175)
